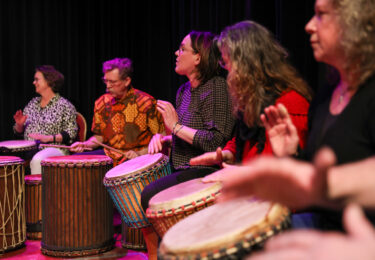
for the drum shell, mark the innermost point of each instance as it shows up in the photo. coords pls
(126, 191)
(77, 211)
(180, 201)
(132, 238)
(33, 206)
(13, 231)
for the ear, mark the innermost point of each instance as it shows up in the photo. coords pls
(128, 80)
(197, 59)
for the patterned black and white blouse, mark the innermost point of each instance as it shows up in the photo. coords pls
(58, 117)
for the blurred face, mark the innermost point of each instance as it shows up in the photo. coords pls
(225, 61)
(187, 59)
(116, 86)
(324, 33)
(40, 82)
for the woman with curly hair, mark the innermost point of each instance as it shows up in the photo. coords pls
(259, 76)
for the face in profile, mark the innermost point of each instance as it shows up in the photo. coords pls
(40, 82)
(187, 59)
(324, 33)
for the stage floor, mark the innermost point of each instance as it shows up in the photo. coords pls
(32, 251)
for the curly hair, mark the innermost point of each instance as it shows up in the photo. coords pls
(53, 77)
(204, 44)
(124, 65)
(357, 21)
(260, 70)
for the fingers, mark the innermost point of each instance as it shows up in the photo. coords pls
(77, 147)
(155, 144)
(204, 159)
(356, 224)
(165, 106)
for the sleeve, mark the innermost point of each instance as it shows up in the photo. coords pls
(98, 124)
(231, 146)
(69, 127)
(155, 119)
(218, 122)
(298, 108)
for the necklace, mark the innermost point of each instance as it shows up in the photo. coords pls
(343, 91)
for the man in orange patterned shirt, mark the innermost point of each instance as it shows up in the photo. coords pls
(125, 118)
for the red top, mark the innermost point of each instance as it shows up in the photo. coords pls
(297, 107)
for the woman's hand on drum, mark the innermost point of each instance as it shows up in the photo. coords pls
(41, 138)
(158, 141)
(19, 118)
(169, 114)
(282, 132)
(213, 158)
(357, 243)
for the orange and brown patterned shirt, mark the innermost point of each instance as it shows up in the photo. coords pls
(128, 123)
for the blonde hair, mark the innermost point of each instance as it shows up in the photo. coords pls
(260, 70)
(357, 21)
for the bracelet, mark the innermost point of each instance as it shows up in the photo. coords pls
(178, 130)
(175, 124)
(54, 138)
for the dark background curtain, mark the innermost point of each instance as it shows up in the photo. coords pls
(76, 36)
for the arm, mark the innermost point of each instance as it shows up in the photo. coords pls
(212, 158)
(69, 124)
(79, 147)
(304, 244)
(217, 118)
(354, 182)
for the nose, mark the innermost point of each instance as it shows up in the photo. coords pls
(310, 26)
(177, 53)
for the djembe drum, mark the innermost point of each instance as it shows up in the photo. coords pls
(227, 230)
(33, 206)
(12, 203)
(19, 148)
(126, 181)
(175, 203)
(77, 212)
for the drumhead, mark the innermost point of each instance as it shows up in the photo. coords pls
(184, 194)
(77, 159)
(15, 144)
(134, 166)
(221, 226)
(4, 160)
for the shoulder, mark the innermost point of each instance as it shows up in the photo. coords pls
(33, 101)
(65, 102)
(294, 102)
(216, 82)
(142, 95)
(106, 98)
(144, 100)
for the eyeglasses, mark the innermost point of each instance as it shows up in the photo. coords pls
(110, 82)
(183, 49)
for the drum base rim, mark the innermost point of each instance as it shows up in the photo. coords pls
(13, 247)
(80, 253)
